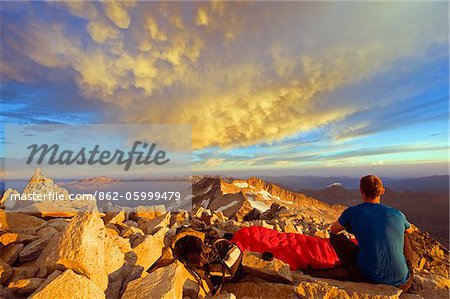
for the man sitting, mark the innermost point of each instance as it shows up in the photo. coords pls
(383, 254)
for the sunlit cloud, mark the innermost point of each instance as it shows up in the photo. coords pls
(214, 162)
(243, 74)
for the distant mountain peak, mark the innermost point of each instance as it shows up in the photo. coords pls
(335, 184)
(39, 177)
(241, 196)
(98, 179)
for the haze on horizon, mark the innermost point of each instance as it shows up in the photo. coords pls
(269, 88)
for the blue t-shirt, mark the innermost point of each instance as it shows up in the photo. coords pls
(380, 231)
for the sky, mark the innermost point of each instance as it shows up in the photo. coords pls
(325, 88)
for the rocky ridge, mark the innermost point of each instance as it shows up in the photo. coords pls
(123, 254)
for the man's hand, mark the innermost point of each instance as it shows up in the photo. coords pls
(337, 228)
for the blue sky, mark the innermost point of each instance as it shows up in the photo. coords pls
(269, 88)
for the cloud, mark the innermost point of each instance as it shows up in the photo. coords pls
(283, 162)
(101, 32)
(355, 153)
(202, 17)
(240, 73)
(118, 12)
(412, 112)
(214, 162)
(81, 9)
(155, 32)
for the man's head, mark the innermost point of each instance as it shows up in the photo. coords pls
(371, 187)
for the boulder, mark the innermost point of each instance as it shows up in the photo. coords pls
(5, 272)
(262, 223)
(58, 224)
(122, 243)
(7, 196)
(60, 209)
(147, 212)
(219, 233)
(49, 279)
(25, 286)
(197, 224)
(45, 231)
(225, 295)
(431, 286)
(166, 259)
(69, 285)
(179, 217)
(273, 212)
(7, 293)
(32, 250)
(112, 228)
(261, 290)
(151, 226)
(200, 211)
(220, 216)
(312, 287)
(254, 214)
(14, 238)
(20, 223)
(322, 234)
(167, 282)
(47, 260)
(133, 273)
(10, 252)
(114, 258)
(132, 232)
(25, 270)
(149, 248)
(82, 248)
(289, 227)
(118, 281)
(115, 217)
(274, 270)
(208, 217)
(118, 271)
(131, 223)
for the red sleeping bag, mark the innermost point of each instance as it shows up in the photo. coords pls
(297, 250)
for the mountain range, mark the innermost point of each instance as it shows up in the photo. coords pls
(430, 184)
(424, 200)
(219, 206)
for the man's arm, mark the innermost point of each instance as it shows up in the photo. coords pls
(408, 227)
(337, 228)
(342, 222)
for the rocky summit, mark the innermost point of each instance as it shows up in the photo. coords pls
(129, 254)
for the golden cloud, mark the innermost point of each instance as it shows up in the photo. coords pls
(101, 32)
(202, 17)
(81, 9)
(214, 162)
(240, 73)
(118, 12)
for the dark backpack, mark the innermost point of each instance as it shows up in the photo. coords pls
(214, 263)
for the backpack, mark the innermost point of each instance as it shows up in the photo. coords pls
(214, 262)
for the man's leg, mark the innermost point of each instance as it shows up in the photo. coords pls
(347, 251)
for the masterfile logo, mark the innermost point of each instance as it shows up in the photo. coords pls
(117, 165)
